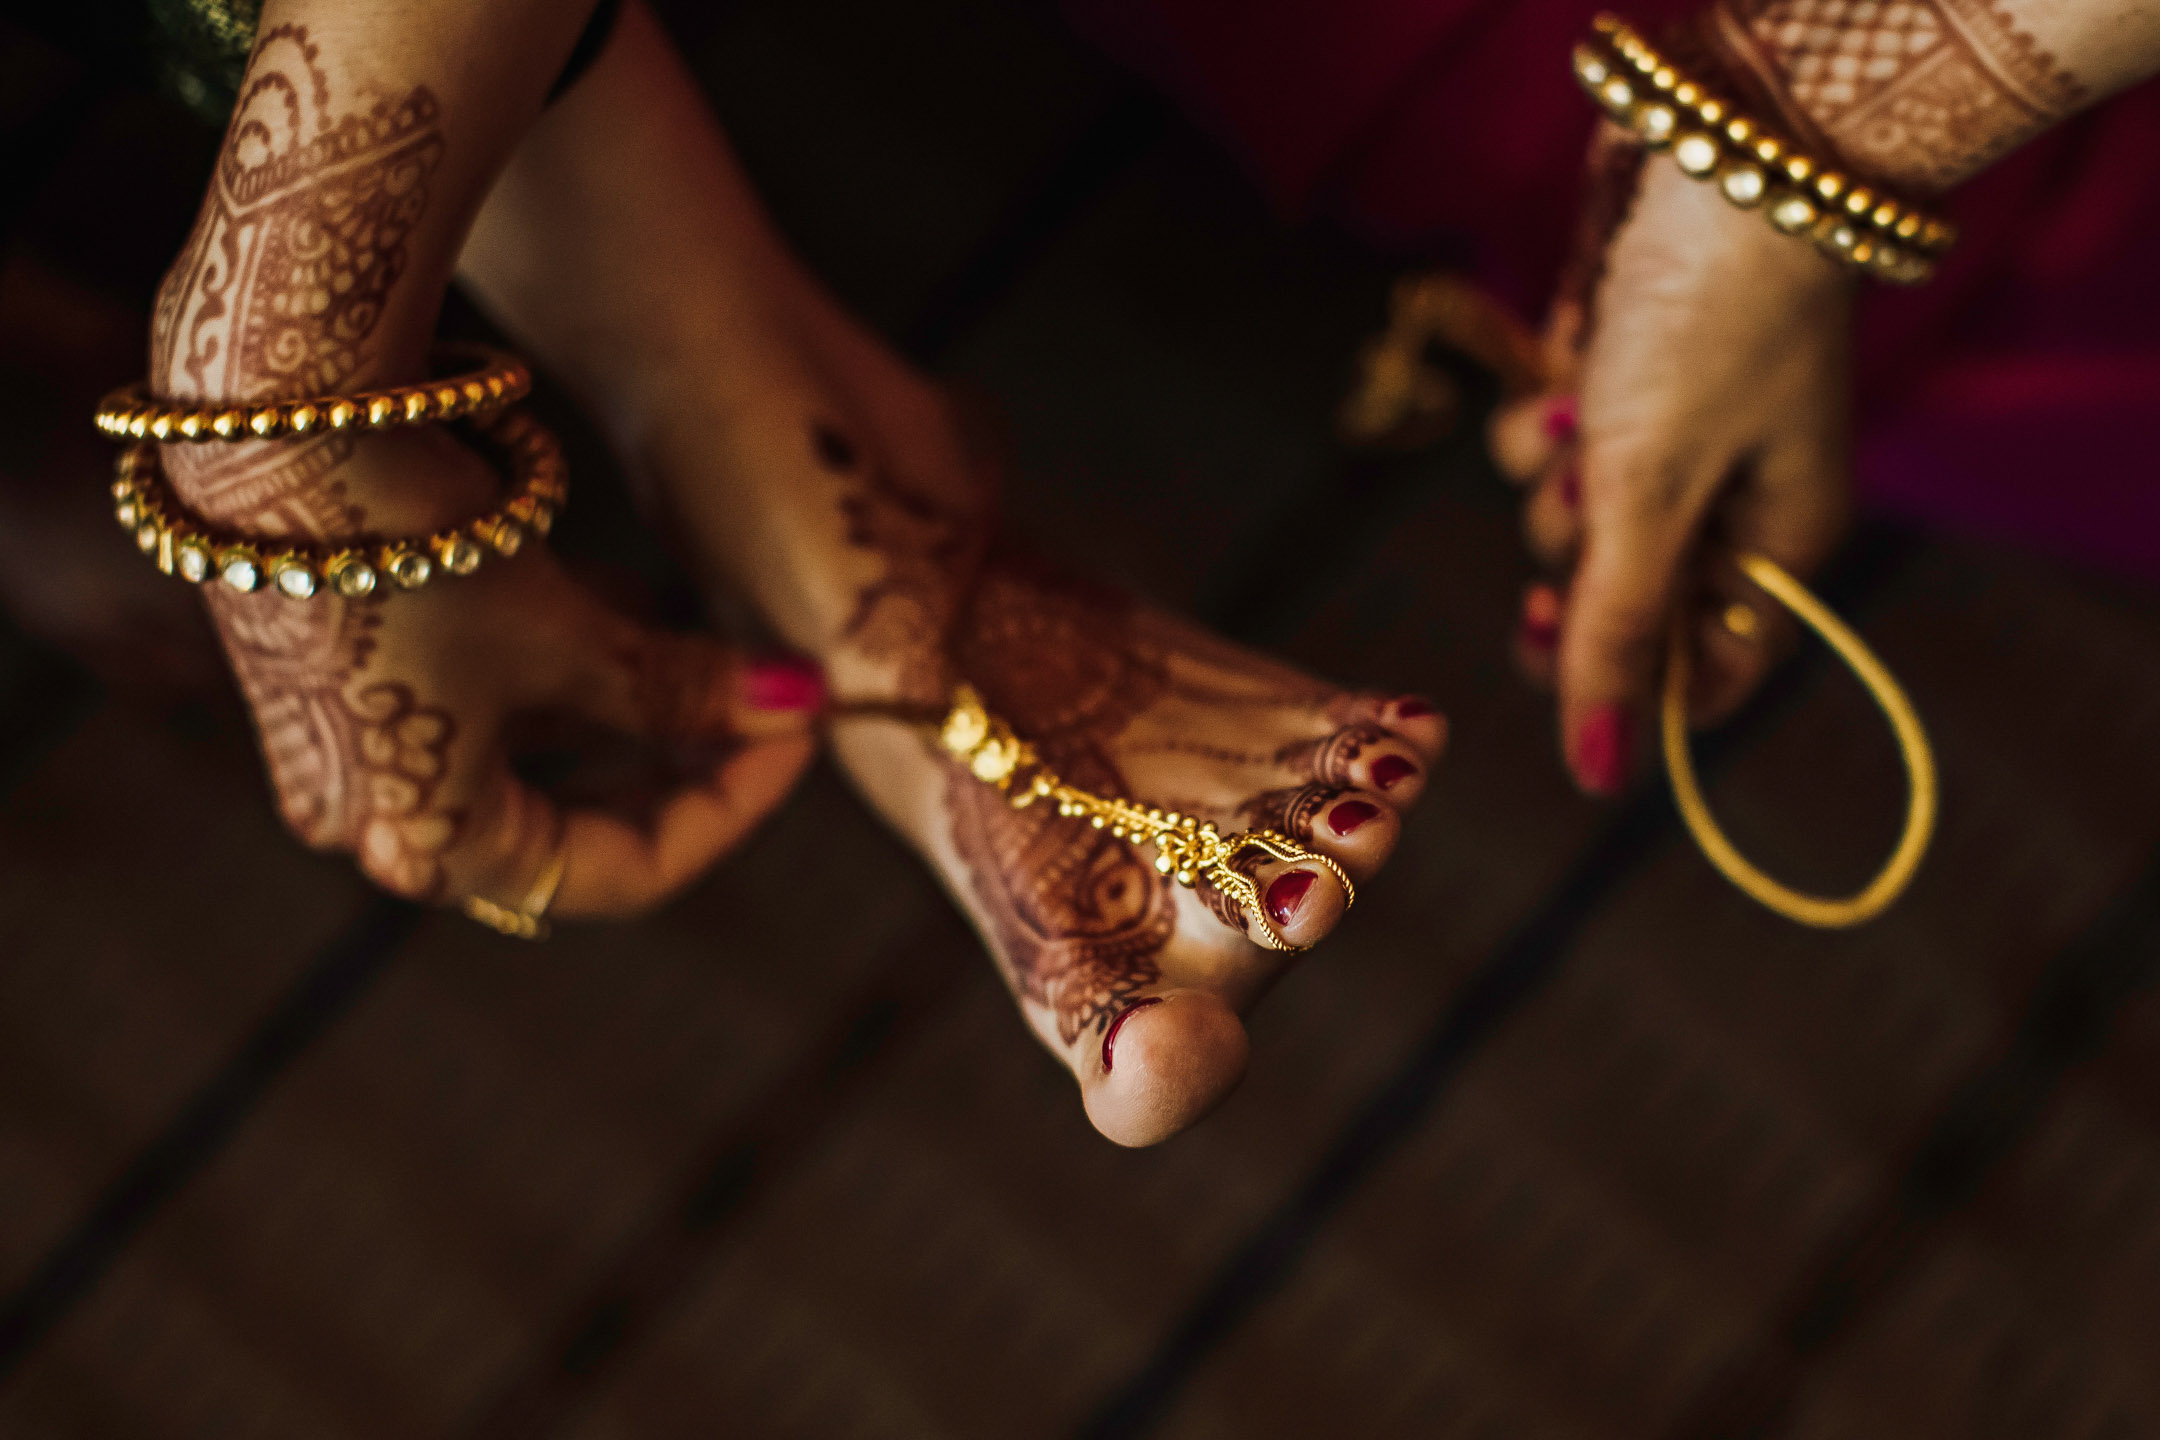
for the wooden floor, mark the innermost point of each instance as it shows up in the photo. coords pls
(1558, 1137)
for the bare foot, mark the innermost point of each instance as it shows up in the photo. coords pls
(812, 469)
(864, 532)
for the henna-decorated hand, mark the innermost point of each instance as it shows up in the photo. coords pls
(389, 725)
(1698, 406)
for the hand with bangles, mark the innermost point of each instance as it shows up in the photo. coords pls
(1699, 361)
(813, 470)
(389, 719)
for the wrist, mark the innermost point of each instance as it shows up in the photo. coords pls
(333, 487)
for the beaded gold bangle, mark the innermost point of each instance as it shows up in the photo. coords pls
(183, 545)
(1187, 849)
(1712, 139)
(496, 380)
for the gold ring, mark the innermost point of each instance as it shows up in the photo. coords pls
(1820, 911)
(529, 921)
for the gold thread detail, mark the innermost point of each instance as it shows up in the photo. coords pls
(1187, 849)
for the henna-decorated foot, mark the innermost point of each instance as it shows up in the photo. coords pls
(1133, 980)
(867, 542)
(808, 466)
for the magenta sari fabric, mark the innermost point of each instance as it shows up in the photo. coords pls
(2017, 396)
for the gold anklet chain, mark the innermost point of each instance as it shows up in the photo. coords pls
(1187, 849)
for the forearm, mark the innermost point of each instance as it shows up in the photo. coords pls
(1925, 94)
(364, 139)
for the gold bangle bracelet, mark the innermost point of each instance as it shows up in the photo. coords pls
(1711, 139)
(183, 545)
(1187, 849)
(496, 380)
(1820, 911)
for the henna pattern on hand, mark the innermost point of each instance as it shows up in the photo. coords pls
(355, 764)
(300, 239)
(1921, 93)
(282, 282)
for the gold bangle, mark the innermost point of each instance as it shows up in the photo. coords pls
(1889, 883)
(1714, 140)
(1187, 849)
(497, 380)
(183, 545)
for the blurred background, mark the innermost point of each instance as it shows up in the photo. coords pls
(1559, 1136)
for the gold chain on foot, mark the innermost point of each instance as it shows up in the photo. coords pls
(1187, 849)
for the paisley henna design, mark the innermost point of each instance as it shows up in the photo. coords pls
(1077, 916)
(1921, 93)
(300, 239)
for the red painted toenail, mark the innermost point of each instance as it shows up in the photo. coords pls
(1285, 894)
(1540, 635)
(788, 683)
(1412, 708)
(1347, 816)
(1571, 488)
(1390, 770)
(1109, 1039)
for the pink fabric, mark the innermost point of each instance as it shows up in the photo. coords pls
(2016, 396)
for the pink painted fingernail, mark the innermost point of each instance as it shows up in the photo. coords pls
(1347, 816)
(1286, 893)
(1413, 708)
(1560, 419)
(1390, 770)
(1571, 488)
(786, 683)
(1604, 748)
(1109, 1039)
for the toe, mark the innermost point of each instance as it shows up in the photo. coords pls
(1302, 900)
(1389, 766)
(1357, 830)
(1417, 720)
(1164, 1061)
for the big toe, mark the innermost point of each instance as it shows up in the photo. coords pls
(1164, 1062)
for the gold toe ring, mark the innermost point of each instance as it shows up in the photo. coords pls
(1187, 849)
(528, 921)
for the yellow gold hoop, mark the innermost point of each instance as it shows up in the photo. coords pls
(1819, 911)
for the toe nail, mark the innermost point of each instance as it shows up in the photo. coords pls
(1540, 634)
(1347, 816)
(1284, 896)
(1390, 770)
(1413, 708)
(787, 683)
(1109, 1039)
(1571, 488)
